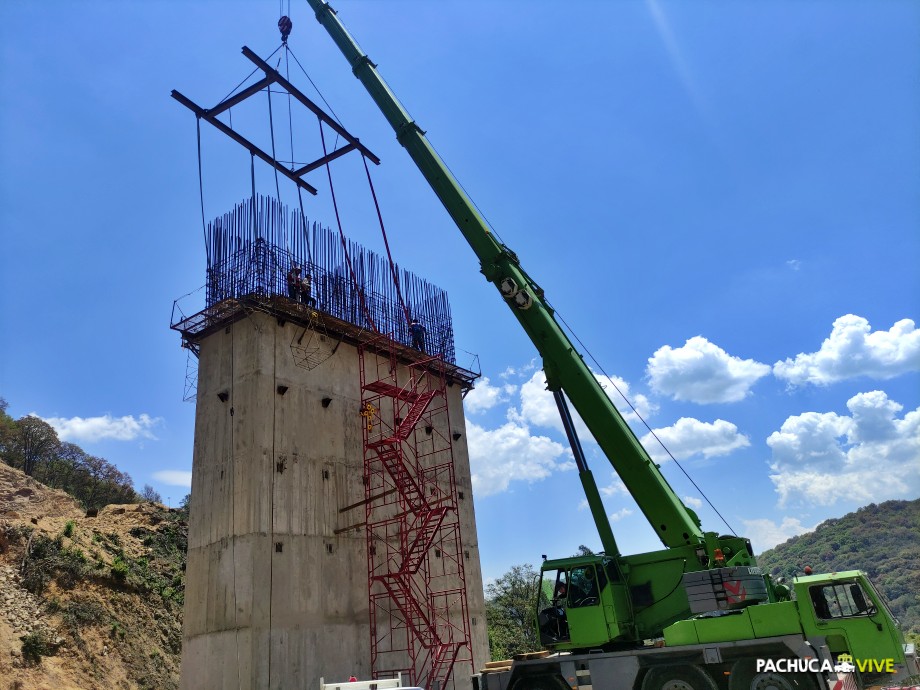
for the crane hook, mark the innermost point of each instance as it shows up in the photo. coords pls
(284, 26)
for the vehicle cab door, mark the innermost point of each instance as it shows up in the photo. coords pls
(854, 622)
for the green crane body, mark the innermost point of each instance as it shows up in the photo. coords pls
(635, 597)
(678, 527)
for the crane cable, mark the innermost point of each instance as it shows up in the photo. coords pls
(338, 220)
(386, 243)
(393, 272)
(641, 418)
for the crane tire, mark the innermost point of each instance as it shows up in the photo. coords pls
(683, 677)
(744, 676)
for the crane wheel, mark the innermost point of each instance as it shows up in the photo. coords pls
(685, 677)
(744, 676)
(540, 681)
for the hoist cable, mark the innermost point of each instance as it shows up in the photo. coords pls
(303, 222)
(233, 90)
(252, 173)
(386, 242)
(303, 216)
(271, 127)
(287, 75)
(338, 220)
(315, 87)
(641, 419)
(204, 231)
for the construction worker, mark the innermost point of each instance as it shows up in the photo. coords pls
(294, 283)
(417, 331)
(306, 289)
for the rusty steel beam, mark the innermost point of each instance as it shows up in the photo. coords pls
(310, 105)
(242, 141)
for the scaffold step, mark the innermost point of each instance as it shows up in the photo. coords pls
(415, 413)
(391, 391)
(422, 542)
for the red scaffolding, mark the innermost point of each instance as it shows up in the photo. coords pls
(419, 619)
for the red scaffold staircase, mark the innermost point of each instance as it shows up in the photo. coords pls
(417, 587)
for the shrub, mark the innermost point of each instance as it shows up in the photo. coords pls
(119, 569)
(36, 645)
(68, 529)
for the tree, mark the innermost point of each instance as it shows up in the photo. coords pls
(35, 442)
(148, 493)
(7, 431)
(511, 610)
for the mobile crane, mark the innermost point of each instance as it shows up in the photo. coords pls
(720, 617)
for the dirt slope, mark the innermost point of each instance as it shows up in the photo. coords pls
(87, 602)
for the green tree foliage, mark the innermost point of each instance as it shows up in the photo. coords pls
(7, 427)
(882, 540)
(32, 445)
(510, 610)
(148, 493)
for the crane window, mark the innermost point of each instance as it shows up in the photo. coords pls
(842, 600)
(583, 589)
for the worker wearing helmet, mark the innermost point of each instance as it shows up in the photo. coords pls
(417, 331)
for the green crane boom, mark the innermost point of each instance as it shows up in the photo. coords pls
(675, 524)
(600, 607)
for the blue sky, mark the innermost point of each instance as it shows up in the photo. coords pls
(720, 198)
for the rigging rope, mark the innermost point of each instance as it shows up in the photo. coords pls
(315, 87)
(642, 419)
(386, 242)
(252, 215)
(271, 127)
(204, 231)
(338, 220)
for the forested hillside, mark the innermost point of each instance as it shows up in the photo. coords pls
(30, 444)
(883, 540)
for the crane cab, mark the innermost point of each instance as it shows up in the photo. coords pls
(581, 603)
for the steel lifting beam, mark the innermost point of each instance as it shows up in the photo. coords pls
(272, 76)
(310, 105)
(204, 114)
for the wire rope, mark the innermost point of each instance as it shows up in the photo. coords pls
(386, 242)
(271, 127)
(338, 220)
(641, 418)
(204, 231)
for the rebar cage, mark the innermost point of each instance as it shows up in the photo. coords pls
(251, 249)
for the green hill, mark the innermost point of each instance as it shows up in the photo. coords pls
(883, 540)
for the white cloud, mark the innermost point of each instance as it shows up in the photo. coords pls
(510, 453)
(689, 437)
(694, 503)
(794, 264)
(174, 477)
(485, 396)
(620, 514)
(823, 458)
(107, 427)
(703, 372)
(538, 407)
(852, 350)
(765, 533)
(616, 486)
(513, 372)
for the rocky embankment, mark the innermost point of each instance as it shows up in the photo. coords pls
(87, 602)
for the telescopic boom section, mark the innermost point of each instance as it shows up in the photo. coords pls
(565, 369)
